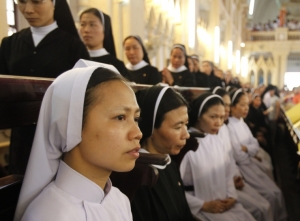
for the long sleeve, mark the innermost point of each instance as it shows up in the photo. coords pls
(189, 80)
(230, 172)
(240, 156)
(194, 202)
(252, 144)
(141, 206)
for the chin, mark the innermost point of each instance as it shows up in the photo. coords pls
(126, 168)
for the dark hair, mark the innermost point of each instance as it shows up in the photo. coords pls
(220, 91)
(170, 101)
(195, 106)
(237, 98)
(93, 11)
(99, 77)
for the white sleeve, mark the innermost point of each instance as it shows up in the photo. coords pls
(230, 172)
(253, 145)
(194, 202)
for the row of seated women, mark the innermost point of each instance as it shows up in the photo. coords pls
(99, 129)
(32, 51)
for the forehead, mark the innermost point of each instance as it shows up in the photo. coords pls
(132, 40)
(177, 52)
(89, 17)
(177, 115)
(218, 109)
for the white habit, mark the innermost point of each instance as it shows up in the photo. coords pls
(210, 172)
(251, 172)
(251, 200)
(74, 197)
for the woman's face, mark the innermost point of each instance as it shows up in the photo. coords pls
(110, 135)
(257, 101)
(211, 121)
(206, 68)
(191, 65)
(133, 51)
(240, 110)
(38, 14)
(177, 58)
(91, 31)
(227, 103)
(196, 65)
(171, 136)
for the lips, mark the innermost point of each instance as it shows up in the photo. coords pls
(134, 152)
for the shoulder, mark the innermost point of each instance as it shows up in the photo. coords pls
(54, 204)
(152, 68)
(16, 36)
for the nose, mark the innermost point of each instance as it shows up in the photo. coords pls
(219, 122)
(185, 134)
(135, 133)
(28, 7)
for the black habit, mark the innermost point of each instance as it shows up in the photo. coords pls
(165, 201)
(57, 52)
(119, 65)
(145, 75)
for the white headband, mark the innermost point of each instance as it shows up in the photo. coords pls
(161, 94)
(102, 19)
(235, 94)
(179, 46)
(228, 88)
(255, 95)
(216, 88)
(207, 99)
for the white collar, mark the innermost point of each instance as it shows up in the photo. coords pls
(142, 150)
(176, 70)
(79, 186)
(98, 52)
(234, 119)
(38, 33)
(137, 66)
(44, 30)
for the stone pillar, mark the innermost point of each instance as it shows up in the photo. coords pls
(214, 20)
(3, 20)
(280, 61)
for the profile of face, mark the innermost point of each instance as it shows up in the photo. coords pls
(206, 68)
(211, 121)
(241, 108)
(177, 58)
(257, 101)
(133, 50)
(171, 136)
(272, 92)
(191, 65)
(227, 103)
(91, 31)
(38, 13)
(110, 134)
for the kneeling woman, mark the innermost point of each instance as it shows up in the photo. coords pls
(86, 129)
(164, 119)
(208, 169)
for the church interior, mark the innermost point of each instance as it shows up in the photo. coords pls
(244, 50)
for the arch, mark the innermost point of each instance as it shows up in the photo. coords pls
(260, 77)
(252, 78)
(269, 78)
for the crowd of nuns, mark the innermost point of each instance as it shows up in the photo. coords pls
(92, 123)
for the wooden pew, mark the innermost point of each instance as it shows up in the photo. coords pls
(20, 101)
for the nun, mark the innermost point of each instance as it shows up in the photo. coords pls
(249, 144)
(246, 149)
(86, 129)
(49, 47)
(251, 200)
(208, 170)
(164, 119)
(139, 67)
(207, 68)
(201, 79)
(96, 33)
(177, 72)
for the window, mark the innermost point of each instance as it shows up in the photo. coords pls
(11, 18)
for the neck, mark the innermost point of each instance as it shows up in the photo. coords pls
(93, 48)
(93, 172)
(149, 146)
(235, 116)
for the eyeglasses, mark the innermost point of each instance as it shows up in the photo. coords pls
(33, 2)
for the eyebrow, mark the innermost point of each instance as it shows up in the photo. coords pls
(181, 122)
(128, 109)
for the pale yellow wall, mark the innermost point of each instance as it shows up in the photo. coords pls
(3, 21)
